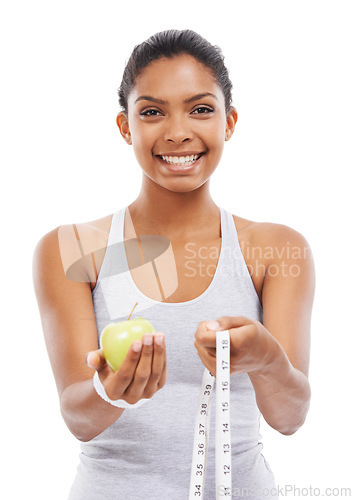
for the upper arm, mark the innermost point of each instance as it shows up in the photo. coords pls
(66, 311)
(288, 294)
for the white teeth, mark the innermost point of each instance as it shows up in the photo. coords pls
(180, 160)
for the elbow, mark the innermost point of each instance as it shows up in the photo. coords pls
(83, 439)
(292, 427)
(78, 430)
(301, 414)
(288, 428)
(285, 428)
(77, 426)
(79, 433)
(289, 431)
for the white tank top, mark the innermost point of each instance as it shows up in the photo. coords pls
(147, 452)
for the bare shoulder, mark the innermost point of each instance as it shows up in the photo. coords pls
(271, 249)
(92, 233)
(79, 248)
(269, 236)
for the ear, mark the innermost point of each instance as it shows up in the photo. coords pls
(231, 120)
(122, 123)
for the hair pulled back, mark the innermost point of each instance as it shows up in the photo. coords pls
(168, 44)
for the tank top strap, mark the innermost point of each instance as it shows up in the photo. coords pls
(228, 230)
(116, 234)
(232, 254)
(233, 263)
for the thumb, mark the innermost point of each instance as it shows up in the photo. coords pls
(227, 322)
(96, 360)
(213, 325)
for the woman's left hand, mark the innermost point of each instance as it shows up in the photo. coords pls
(252, 347)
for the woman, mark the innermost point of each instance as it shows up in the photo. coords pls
(255, 279)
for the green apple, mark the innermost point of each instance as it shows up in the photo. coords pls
(116, 339)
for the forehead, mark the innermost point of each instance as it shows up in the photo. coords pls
(174, 79)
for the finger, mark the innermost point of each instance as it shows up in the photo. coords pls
(158, 365)
(208, 360)
(159, 355)
(143, 369)
(124, 375)
(96, 360)
(205, 336)
(227, 322)
(206, 330)
(206, 351)
(163, 377)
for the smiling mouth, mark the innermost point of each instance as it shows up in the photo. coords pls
(181, 161)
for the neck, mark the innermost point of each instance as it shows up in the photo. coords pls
(173, 214)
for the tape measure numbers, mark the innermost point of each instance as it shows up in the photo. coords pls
(222, 425)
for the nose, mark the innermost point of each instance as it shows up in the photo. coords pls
(177, 130)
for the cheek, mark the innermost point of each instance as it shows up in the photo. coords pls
(216, 145)
(142, 141)
(216, 136)
(150, 133)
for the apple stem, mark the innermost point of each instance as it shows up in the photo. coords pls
(132, 311)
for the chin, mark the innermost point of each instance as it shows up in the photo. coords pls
(182, 185)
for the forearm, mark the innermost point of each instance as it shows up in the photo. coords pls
(282, 393)
(85, 413)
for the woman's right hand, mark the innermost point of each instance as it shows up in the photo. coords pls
(142, 373)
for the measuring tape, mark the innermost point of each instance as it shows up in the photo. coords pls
(222, 425)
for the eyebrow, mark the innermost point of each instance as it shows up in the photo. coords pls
(186, 101)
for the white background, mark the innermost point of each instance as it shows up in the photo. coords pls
(63, 161)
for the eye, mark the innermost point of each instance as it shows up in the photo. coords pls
(203, 110)
(150, 112)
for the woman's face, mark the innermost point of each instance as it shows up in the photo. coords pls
(177, 122)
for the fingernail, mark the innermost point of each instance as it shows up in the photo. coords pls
(148, 339)
(159, 339)
(137, 346)
(87, 360)
(213, 325)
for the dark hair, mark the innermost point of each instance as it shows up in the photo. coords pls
(168, 44)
